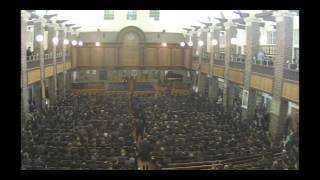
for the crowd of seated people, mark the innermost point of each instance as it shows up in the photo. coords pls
(186, 129)
(80, 132)
(95, 132)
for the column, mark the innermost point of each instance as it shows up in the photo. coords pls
(253, 36)
(68, 49)
(52, 32)
(61, 49)
(279, 106)
(231, 92)
(230, 49)
(24, 73)
(36, 88)
(213, 85)
(201, 76)
(39, 49)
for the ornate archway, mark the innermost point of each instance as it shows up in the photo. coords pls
(131, 51)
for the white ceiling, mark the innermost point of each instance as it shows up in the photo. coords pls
(171, 20)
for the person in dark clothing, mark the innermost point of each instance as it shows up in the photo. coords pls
(29, 54)
(139, 129)
(145, 153)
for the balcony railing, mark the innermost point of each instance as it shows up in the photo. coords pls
(205, 57)
(292, 65)
(239, 58)
(48, 56)
(219, 56)
(267, 62)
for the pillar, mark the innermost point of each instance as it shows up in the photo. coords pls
(51, 90)
(248, 113)
(231, 92)
(213, 82)
(39, 49)
(62, 48)
(52, 32)
(24, 79)
(201, 77)
(253, 36)
(231, 32)
(279, 106)
(36, 88)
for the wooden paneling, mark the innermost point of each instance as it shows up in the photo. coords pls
(33, 76)
(295, 118)
(84, 57)
(195, 65)
(164, 56)
(205, 68)
(218, 71)
(74, 56)
(177, 55)
(236, 76)
(48, 71)
(262, 83)
(96, 56)
(187, 58)
(68, 65)
(150, 56)
(110, 57)
(59, 68)
(290, 91)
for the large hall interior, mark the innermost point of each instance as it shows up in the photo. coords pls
(159, 90)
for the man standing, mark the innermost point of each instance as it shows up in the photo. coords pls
(29, 54)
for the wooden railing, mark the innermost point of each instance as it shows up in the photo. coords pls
(237, 163)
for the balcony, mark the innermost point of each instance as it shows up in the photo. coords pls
(264, 66)
(205, 57)
(34, 60)
(237, 61)
(219, 59)
(291, 70)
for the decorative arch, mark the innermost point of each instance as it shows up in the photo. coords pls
(129, 29)
(131, 50)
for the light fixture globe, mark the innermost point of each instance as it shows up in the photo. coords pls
(80, 43)
(214, 42)
(55, 40)
(234, 41)
(164, 44)
(200, 43)
(74, 42)
(98, 44)
(66, 42)
(182, 44)
(190, 43)
(39, 38)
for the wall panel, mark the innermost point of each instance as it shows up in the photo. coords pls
(290, 91)
(218, 71)
(205, 68)
(48, 71)
(96, 56)
(84, 57)
(177, 57)
(59, 68)
(236, 76)
(164, 56)
(150, 56)
(262, 83)
(33, 76)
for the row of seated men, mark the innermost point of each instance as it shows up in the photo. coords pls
(190, 129)
(80, 132)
